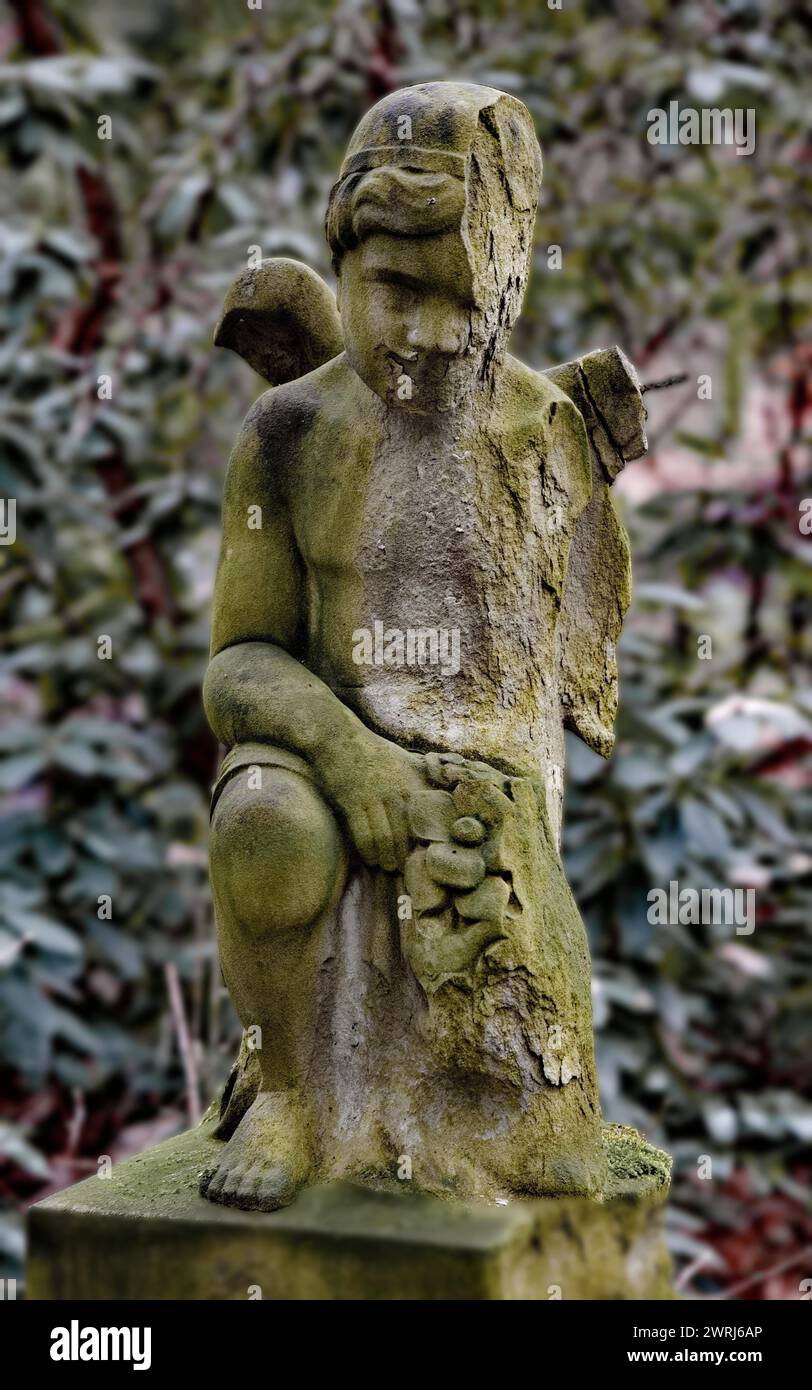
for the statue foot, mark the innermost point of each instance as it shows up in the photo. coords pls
(266, 1161)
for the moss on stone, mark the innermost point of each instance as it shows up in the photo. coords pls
(632, 1161)
(144, 1232)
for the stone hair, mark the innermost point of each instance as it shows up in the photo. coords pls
(491, 197)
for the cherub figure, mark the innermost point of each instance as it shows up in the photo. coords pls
(394, 923)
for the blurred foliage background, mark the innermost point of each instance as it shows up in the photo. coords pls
(227, 127)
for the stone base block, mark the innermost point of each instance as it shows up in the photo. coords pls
(146, 1233)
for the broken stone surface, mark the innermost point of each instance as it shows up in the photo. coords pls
(421, 585)
(605, 387)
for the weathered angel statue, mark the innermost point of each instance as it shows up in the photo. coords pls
(394, 923)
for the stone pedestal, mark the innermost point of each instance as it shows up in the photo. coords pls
(145, 1233)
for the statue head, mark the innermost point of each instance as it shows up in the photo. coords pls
(431, 228)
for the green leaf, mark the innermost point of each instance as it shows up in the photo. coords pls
(14, 1148)
(45, 933)
(20, 770)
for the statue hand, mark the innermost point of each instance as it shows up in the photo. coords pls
(368, 780)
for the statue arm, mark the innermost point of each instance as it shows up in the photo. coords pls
(257, 690)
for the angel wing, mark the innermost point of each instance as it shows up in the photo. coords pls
(282, 319)
(597, 587)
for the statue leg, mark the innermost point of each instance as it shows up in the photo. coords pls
(278, 864)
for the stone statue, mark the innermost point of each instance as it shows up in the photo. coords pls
(421, 584)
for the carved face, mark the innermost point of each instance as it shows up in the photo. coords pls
(407, 311)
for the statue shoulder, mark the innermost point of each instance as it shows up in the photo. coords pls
(281, 420)
(292, 409)
(533, 397)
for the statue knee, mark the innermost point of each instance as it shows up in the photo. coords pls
(276, 852)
